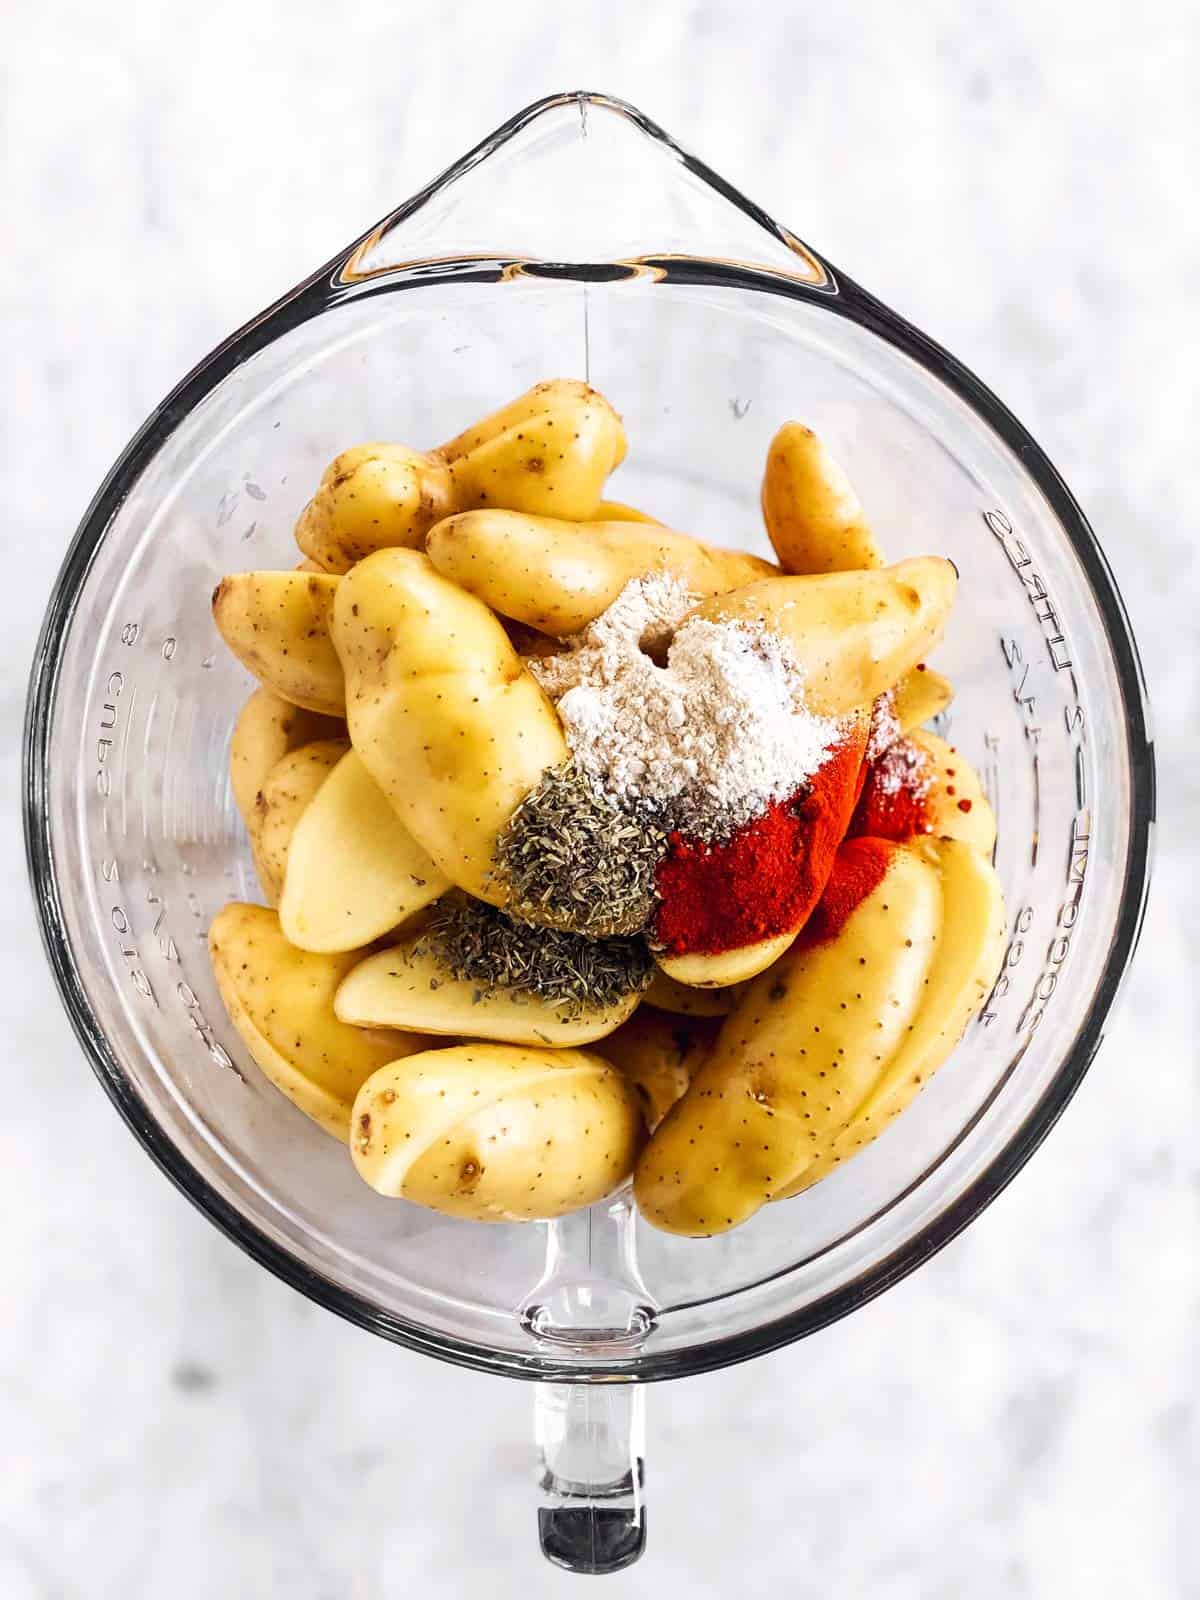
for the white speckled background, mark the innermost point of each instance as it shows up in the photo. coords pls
(1018, 1419)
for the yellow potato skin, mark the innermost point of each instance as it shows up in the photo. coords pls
(372, 497)
(726, 967)
(280, 1000)
(407, 986)
(965, 963)
(558, 576)
(813, 516)
(657, 1052)
(618, 511)
(548, 451)
(353, 870)
(793, 1060)
(854, 633)
(919, 695)
(268, 728)
(496, 1133)
(443, 713)
(283, 799)
(277, 625)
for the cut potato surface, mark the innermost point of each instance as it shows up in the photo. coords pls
(727, 967)
(277, 625)
(920, 695)
(955, 801)
(965, 963)
(658, 1052)
(268, 728)
(409, 986)
(280, 1000)
(289, 789)
(496, 1133)
(354, 872)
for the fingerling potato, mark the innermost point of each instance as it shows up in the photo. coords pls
(371, 497)
(277, 625)
(854, 633)
(919, 695)
(410, 986)
(280, 1000)
(812, 513)
(726, 967)
(353, 870)
(446, 718)
(964, 965)
(558, 576)
(268, 728)
(794, 1059)
(496, 1133)
(290, 787)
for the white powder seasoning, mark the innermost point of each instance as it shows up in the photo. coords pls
(714, 734)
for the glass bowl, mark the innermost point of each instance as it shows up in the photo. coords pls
(577, 241)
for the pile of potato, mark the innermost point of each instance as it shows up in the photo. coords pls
(396, 731)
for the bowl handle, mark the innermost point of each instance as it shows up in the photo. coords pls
(591, 1444)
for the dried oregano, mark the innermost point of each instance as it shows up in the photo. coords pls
(481, 945)
(576, 858)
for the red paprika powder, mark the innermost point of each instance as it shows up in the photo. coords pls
(858, 870)
(767, 876)
(894, 803)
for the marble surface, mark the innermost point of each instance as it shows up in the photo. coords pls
(1018, 1419)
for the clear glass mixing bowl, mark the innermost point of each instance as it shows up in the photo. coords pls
(578, 240)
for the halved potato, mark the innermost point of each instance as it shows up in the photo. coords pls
(559, 576)
(657, 1052)
(354, 872)
(686, 1000)
(409, 986)
(812, 513)
(268, 728)
(957, 806)
(280, 1000)
(727, 967)
(447, 719)
(289, 789)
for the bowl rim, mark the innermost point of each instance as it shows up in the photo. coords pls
(838, 294)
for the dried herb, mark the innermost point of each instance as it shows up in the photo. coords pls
(481, 945)
(577, 858)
